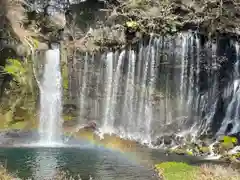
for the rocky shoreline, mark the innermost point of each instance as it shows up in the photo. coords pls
(224, 148)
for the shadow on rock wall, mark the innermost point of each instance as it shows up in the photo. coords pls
(88, 14)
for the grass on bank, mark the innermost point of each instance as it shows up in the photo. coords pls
(4, 175)
(183, 171)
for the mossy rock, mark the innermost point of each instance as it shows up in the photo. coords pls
(236, 156)
(229, 140)
(68, 118)
(182, 151)
(176, 170)
(225, 144)
(204, 149)
(231, 157)
(19, 125)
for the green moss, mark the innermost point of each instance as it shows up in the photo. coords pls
(227, 143)
(235, 157)
(64, 71)
(231, 157)
(19, 125)
(229, 139)
(204, 149)
(67, 118)
(182, 151)
(190, 153)
(132, 24)
(178, 151)
(176, 170)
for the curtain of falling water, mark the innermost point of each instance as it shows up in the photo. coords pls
(128, 102)
(50, 125)
(83, 89)
(116, 83)
(207, 102)
(232, 112)
(107, 121)
(157, 88)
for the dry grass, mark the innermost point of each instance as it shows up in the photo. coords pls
(4, 175)
(217, 172)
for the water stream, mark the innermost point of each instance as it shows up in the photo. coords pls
(50, 123)
(134, 87)
(167, 85)
(231, 122)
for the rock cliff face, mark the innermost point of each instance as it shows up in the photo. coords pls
(113, 23)
(96, 25)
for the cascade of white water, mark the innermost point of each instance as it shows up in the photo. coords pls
(232, 114)
(128, 104)
(190, 78)
(213, 64)
(143, 90)
(192, 95)
(236, 121)
(151, 90)
(108, 91)
(183, 66)
(184, 79)
(198, 60)
(114, 103)
(83, 88)
(207, 102)
(50, 126)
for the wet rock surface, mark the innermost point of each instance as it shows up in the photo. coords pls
(226, 147)
(17, 137)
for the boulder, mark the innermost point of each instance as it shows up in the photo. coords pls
(90, 126)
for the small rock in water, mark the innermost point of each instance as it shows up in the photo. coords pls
(158, 141)
(91, 126)
(167, 140)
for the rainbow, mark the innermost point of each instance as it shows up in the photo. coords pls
(128, 148)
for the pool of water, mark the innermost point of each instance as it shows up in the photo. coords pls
(44, 163)
(109, 159)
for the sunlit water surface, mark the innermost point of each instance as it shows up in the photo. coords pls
(108, 159)
(44, 163)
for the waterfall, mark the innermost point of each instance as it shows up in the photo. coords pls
(83, 88)
(161, 86)
(231, 122)
(108, 89)
(50, 126)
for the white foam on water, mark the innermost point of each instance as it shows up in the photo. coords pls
(212, 155)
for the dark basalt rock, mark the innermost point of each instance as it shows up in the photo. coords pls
(16, 137)
(48, 17)
(70, 109)
(158, 141)
(168, 140)
(91, 126)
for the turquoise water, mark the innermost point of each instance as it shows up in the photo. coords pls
(43, 163)
(22, 157)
